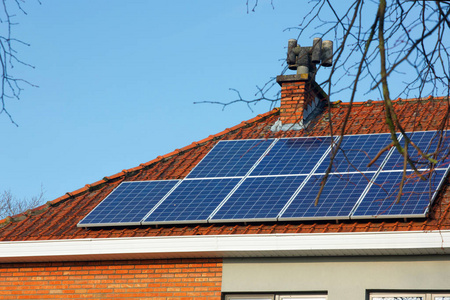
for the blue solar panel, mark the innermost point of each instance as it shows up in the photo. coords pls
(416, 195)
(428, 142)
(192, 201)
(292, 156)
(128, 203)
(230, 158)
(339, 196)
(356, 152)
(260, 198)
(441, 144)
(278, 169)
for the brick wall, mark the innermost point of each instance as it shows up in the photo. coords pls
(295, 97)
(144, 279)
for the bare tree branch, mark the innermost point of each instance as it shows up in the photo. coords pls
(403, 53)
(10, 85)
(11, 205)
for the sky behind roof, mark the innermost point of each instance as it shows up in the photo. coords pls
(117, 81)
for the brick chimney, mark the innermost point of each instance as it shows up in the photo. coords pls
(302, 99)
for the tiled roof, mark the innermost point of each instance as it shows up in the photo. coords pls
(58, 218)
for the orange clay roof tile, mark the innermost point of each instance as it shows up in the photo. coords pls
(58, 218)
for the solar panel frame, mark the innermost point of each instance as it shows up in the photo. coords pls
(394, 162)
(191, 197)
(251, 204)
(106, 213)
(375, 206)
(444, 160)
(424, 140)
(294, 156)
(374, 177)
(250, 175)
(360, 150)
(226, 166)
(330, 203)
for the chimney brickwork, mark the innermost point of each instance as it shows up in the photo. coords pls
(300, 98)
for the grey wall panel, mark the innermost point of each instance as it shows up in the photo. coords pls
(342, 278)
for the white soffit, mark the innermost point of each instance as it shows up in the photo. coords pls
(246, 245)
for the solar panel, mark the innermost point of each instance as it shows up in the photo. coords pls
(259, 198)
(441, 142)
(192, 201)
(292, 156)
(230, 158)
(279, 179)
(417, 195)
(128, 203)
(429, 142)
(356, 152)
(339, 196)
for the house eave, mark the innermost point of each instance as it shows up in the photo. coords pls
(246, 245)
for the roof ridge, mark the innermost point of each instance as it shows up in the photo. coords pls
(123, 173)
(370, 101)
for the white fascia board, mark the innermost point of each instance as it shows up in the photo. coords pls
(245, 245)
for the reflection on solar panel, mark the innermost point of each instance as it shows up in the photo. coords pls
(415, 200)
(128, 203)
(292, 156)
(192, 201)
(279, 179)
(230, 158)
(340, 194)
(428, 142)
(441, 144)
(356, 152)
(259, 198)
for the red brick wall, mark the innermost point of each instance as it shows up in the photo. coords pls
(295, 97)
(144, 279)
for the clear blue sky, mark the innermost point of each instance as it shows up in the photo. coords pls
(117, 81)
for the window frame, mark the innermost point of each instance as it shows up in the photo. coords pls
(424, 295)
(276, 296)
(249, 296)
(434, 295)
(302, 296)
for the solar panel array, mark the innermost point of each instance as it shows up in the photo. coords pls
(279, 179)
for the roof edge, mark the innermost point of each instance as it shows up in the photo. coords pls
(245, 245)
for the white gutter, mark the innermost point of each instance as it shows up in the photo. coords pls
(246, 245)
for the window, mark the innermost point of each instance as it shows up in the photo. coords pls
(249, 297)
(410, 296)
(280, 297)
(302, 297)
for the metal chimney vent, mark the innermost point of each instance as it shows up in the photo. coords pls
(305, 59)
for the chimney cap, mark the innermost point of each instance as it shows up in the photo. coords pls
(305, 59)
(292, 78)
